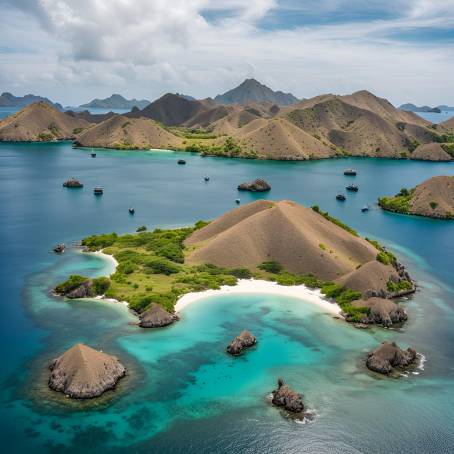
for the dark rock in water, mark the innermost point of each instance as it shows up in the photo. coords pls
(83, 373)
(73, 183)
(384, 358)
(285, 397)
(156, 317)
(381, 311)
(257, 185)
(59, 248)
(244, 340)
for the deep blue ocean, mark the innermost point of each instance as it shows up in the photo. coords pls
(183, 394)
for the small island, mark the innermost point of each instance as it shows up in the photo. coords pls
(258, 185)
(434, 198)
(83, 372)
(388, 356)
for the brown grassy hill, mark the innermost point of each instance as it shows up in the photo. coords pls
(205, 118)
(123, 132)
(279, 138)
(370, 278)
(89, 117)
(238, 117)
(302, 240)
(40, 122)
(434, 197)
(431, 152)
(449, 124)
(359, 131)
(171, 110)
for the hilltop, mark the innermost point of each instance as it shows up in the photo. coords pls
(122, 132)
(40, 122)
(116, 101)
(253, 91)
(412, 108)
(433, 198)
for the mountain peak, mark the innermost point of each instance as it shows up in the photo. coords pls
(251, 90)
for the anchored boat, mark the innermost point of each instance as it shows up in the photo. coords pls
(352, 187)
(350, 172)
(72, 183)
(340, 197)
(98, 191)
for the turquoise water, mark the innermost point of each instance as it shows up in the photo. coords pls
(183, 393)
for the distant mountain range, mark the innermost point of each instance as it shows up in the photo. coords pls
(412, 108)
(116, 101)
(253, 91)
(9, 100)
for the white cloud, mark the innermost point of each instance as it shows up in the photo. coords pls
(72, 50)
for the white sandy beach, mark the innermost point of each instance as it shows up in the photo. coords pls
(248, 286)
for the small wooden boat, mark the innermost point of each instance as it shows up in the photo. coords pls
(181, 161)
(98, 191)
(207, 178)
(93, 155)
(60, 248)
(350, 172)
(72, 183)
(352, 187)
(237, 201)
(131, 210)
(365, 208)
(341, 197)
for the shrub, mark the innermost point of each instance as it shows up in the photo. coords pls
(100, 285)
(142, 228)
(271, 267)
(387, 258)
(334, 220)
(126, 268)
(97, 242)
(160, 266)
(433, 205)
(74, 281)
(399, 286)
(240, 273)
(172, 252)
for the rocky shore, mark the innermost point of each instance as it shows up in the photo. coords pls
(83, 373)
(388, 356)
(156, 317)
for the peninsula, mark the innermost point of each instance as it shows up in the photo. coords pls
(433, 198)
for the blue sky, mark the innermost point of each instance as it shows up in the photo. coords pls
(74, 50)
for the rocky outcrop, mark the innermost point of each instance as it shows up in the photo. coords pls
(285, 397)
(384, 358)
(83, 373)
(257, 185)
(84, 290)
(244, 340)
(156, 317)
(381, 311)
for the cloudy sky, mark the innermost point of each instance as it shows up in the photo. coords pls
(75, 50)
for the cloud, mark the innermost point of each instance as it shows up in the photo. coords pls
(144, 48)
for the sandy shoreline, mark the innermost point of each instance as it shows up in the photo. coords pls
(109, 258)
(250, 286)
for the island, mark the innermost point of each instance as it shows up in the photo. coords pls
(258, 185)
(282, 242)
(287, 398)
(83, 372)
(434, 198)
(244, 340)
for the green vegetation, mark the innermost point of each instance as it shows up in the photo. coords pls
(100, 285)
(74, 281)
(433, 205)
(344, 298)
(45, 137)
(397, 287)
(339, 223)
(449, 148)
(78, 130)
(400, 203)
(142, 228)
(271, 267)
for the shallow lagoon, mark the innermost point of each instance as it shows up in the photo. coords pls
(183, 393)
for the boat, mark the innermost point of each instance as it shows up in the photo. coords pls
(350, 172)
(72, 183)
(98, 191)
(93, 155)
(352, 187)
(341, 197)
(60, 248)
(181, 161)
(132, 210)
(365, 208)
(207, 178)
(237, 201)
